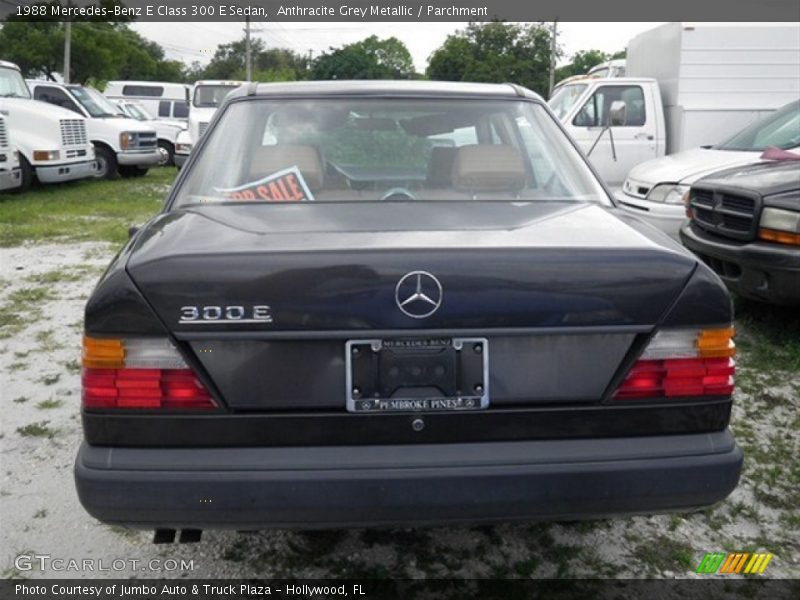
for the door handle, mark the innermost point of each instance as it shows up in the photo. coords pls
(643, 136)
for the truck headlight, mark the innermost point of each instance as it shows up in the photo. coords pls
(128, 139)
(183, 148)
(780, 225)
(46, 155)
(668, 193)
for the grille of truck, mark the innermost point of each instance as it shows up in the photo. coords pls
(73, 132)
(147, 140)
(726, 214)
(3, 134)
(75, 153)
(201, 128)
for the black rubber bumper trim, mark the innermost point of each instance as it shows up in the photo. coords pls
(253, 488)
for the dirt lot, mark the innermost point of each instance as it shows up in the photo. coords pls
(48, 264)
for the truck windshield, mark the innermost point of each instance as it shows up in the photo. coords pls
(387, 149)
(565, 98)
(137, 111)
(12, 85)
(781, 129)
(211, 96)
(94, 102)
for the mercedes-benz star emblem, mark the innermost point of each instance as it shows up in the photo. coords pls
(418, 294)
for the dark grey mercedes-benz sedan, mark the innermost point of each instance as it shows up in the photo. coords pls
(379, 303)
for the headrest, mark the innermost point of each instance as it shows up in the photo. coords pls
(488, 168)
(440, 166)
(270, 159)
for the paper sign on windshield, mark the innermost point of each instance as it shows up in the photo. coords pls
(287, 185)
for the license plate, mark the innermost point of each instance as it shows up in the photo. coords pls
(417, 374)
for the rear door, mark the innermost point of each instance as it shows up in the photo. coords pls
(616, 150)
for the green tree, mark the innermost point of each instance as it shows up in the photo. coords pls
(100, 50)
(583, 60)
(371, 58)
(269, 64)
(495, 52)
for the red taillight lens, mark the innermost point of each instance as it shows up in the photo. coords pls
(678, 377)
(144, 388)
(143, 373)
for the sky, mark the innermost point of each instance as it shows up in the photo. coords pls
(192, 41)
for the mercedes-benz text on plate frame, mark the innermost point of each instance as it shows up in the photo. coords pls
(418, 294)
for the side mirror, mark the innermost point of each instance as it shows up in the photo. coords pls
(617, 113)
(186, 95)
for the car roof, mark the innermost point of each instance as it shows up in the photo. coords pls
(380, 87)
(9, 65)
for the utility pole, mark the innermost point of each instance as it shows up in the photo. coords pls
(553, 56)
(67, 44)
(248, 62)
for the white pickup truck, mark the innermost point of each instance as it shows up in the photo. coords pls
(122, 146)
(167, 130)
(10, 174)
(52, 142)
(686, 87)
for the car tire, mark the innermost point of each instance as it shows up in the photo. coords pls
(168, 151)
(26, 175)
(106, 163)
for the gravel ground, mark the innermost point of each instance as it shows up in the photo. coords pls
(42, 292)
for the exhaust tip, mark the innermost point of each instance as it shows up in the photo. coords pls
(163, 536)
(190, 536)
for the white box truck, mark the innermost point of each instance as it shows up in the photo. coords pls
(204, 98)
(52, 142)
(686, 85)
(10, 175)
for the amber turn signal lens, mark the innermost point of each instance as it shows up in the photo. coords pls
(101, 353)
(716, 343)
(779, 237)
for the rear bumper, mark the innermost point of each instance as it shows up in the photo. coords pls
(756, 270)
(666, 217)
(10, 179)
(139, 158)
(66, 172)
(318, 487)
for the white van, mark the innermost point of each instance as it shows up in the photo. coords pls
(10, 175)
(685, 86)
(121, 145)
(53, 144)
(162, 99)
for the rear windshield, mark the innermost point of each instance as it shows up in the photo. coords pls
(387, 149)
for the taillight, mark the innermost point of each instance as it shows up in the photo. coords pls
(140, 373)
(681, 363)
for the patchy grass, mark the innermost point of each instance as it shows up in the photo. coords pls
(50, 379)
(39, 429)
(665, 554)
(770, 335)
(87, 210)
(49, 404)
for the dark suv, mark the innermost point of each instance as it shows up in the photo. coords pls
(745, 224)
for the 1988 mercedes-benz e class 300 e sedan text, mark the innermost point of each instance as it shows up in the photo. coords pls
(385, 303)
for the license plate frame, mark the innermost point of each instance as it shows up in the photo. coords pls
(445, 374)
